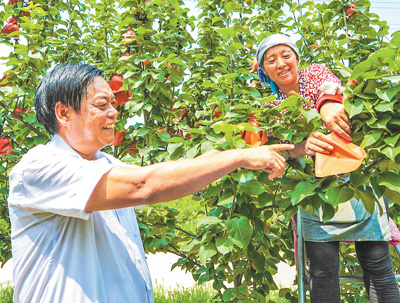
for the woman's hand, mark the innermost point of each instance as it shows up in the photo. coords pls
(336, 119)
(317, 143)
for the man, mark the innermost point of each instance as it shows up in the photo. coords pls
(75, 237)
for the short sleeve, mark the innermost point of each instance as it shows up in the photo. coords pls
(56, 183)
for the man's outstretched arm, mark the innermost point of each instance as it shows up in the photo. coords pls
(167, 181)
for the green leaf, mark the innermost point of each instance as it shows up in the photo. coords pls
(259, 261)
(191, 245)
(230, 6)
(355, 108)
(163, 136)
(302, 190)
(233, 48)
(206, 252)
(252, 91)
(389, 179)
(309, 114)
(265, 198)
(371, 138)
(392, 140)
(385, 107)
(176, 140)
(192, 152)
(392, 196)
(220, 95)
(292, 101)
(357, 178)
(229, 294)
(226, 33)
(381, 122)
(240, 231)
(172, 147)
(253, 187)
(242, 176)
(368, 200)
(328, 211)
(208, 221)
(387, 94)
(224, 245)
(391, 153)
(203, 279)
(336, 195)
(221, 59)
(226, 202)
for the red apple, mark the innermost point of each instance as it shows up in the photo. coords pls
(3, 78)
(116, 83)
(26, 14)
(11, 27)
(119, 137)
(183, 112)
(254, 138)
(132, 149)
(14, 2)
(143, 63)
(5, 146)
(352, 82)
(351, 10)
(217, 113)
(19, 111)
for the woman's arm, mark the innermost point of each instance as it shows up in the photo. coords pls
(330, 102)
(336, 119)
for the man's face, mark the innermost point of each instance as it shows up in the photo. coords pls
(93, 127)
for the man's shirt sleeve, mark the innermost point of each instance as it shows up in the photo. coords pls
(54, 183)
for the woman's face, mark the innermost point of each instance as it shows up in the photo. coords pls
(280, 64)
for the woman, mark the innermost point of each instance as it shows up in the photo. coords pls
(278, 59)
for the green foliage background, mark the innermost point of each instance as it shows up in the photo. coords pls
(243, 228)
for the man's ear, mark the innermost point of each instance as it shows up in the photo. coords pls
(62, 113)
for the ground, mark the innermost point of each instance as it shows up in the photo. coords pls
(160, 269)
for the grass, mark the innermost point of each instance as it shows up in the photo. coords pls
(196, 294)
(6, 293)
(189, 212)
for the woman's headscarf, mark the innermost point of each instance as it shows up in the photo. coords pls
(267, 43)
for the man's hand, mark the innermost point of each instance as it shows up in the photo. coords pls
(317, 143)
(267, 158)
(336, 119)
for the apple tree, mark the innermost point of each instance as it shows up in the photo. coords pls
(190, 81)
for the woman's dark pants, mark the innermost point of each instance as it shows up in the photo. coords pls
(374, 259)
